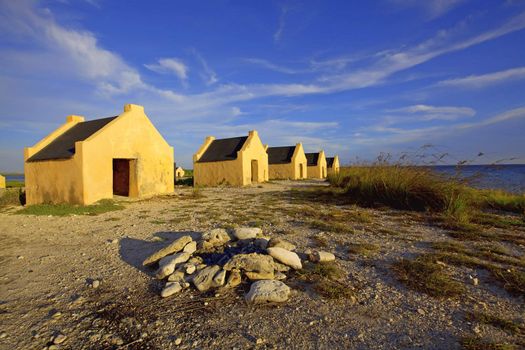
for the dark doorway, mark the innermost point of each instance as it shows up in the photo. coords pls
(121, 177)
(255, 171)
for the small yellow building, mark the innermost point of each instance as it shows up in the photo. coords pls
(237, 161)
(82, 162)
(179, 173)
(332, 164)
(287, 162)
(2, 181)
(316, 165)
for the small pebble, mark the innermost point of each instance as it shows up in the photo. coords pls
(178, 341)
(421, 311)
(95, 284)
(59, 339)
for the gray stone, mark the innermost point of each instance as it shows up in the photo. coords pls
(177, 276)
(213, 238)
(234, 279)
(256, 266)
(203, 279)
(268, 291)
(286, 257)
(321, 256)
(190, 248)
(174, 247)
(281, 243)
(170, 289)
(246, 232)
(219, 278)
(168, 264)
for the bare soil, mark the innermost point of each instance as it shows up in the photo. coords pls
(48, 263)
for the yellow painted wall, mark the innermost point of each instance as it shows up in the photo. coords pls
(2, 181)
(179, 172)
(58, 181)
(318, 171)
(232, 172)
(291, 170)
(335, 166)
(88, 176)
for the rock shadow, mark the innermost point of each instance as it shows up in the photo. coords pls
(134, 251)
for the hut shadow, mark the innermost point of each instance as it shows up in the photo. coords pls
(134, 251)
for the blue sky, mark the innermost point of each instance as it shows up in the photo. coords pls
(355, 78)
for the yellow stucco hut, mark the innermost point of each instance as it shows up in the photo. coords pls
(179, 173)
(236, 161)
(288, 162)
(2, 181)
(332, 164)
(316, 165)
(82, 162)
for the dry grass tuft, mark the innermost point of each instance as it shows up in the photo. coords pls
(327, 280)
(425, 275)
(364, 249)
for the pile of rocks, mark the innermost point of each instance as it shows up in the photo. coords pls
(220, 258)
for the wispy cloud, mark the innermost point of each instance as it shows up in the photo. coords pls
(483, 80)
(426, 112)
(279, 32)
(170, 65)
(394, 135)
(208, 75)
(432, 8)
(274, 67)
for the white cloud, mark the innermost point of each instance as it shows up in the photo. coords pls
(483, 80)
(394, 135)
(432, 8)
(271, 66)
(426, 112)
(170, 65)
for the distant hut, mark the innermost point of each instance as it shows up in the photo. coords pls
(236, 161)
(287, 162)
(82, 162)
(2, 181)
(316, 165)
(332, 164)
(179, 173)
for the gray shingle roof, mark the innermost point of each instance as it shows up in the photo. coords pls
(280, 155)
(312, 159)
(63, 147)
(223, 149)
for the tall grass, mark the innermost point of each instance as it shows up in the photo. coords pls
(419, 188)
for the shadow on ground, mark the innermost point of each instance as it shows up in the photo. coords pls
(134, 251)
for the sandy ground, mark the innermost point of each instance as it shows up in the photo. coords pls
(47, 264)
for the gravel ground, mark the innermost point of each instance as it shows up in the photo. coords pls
(49, 264)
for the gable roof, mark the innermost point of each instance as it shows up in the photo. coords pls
(63, 147)
(312, 159)
(223, 149)
(280, 155)
(330, 161)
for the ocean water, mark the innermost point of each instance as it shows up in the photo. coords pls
(508, 177)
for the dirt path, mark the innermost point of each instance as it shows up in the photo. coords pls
(47, 264)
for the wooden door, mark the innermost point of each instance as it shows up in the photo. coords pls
(121, 177)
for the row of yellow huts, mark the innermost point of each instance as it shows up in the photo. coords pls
(82, 161)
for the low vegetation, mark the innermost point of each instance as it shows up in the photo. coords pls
(418, 188)
(476, 343)
(426, 275)
(508, 326)
(103, 206)
(364, 249)
(327, 279)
